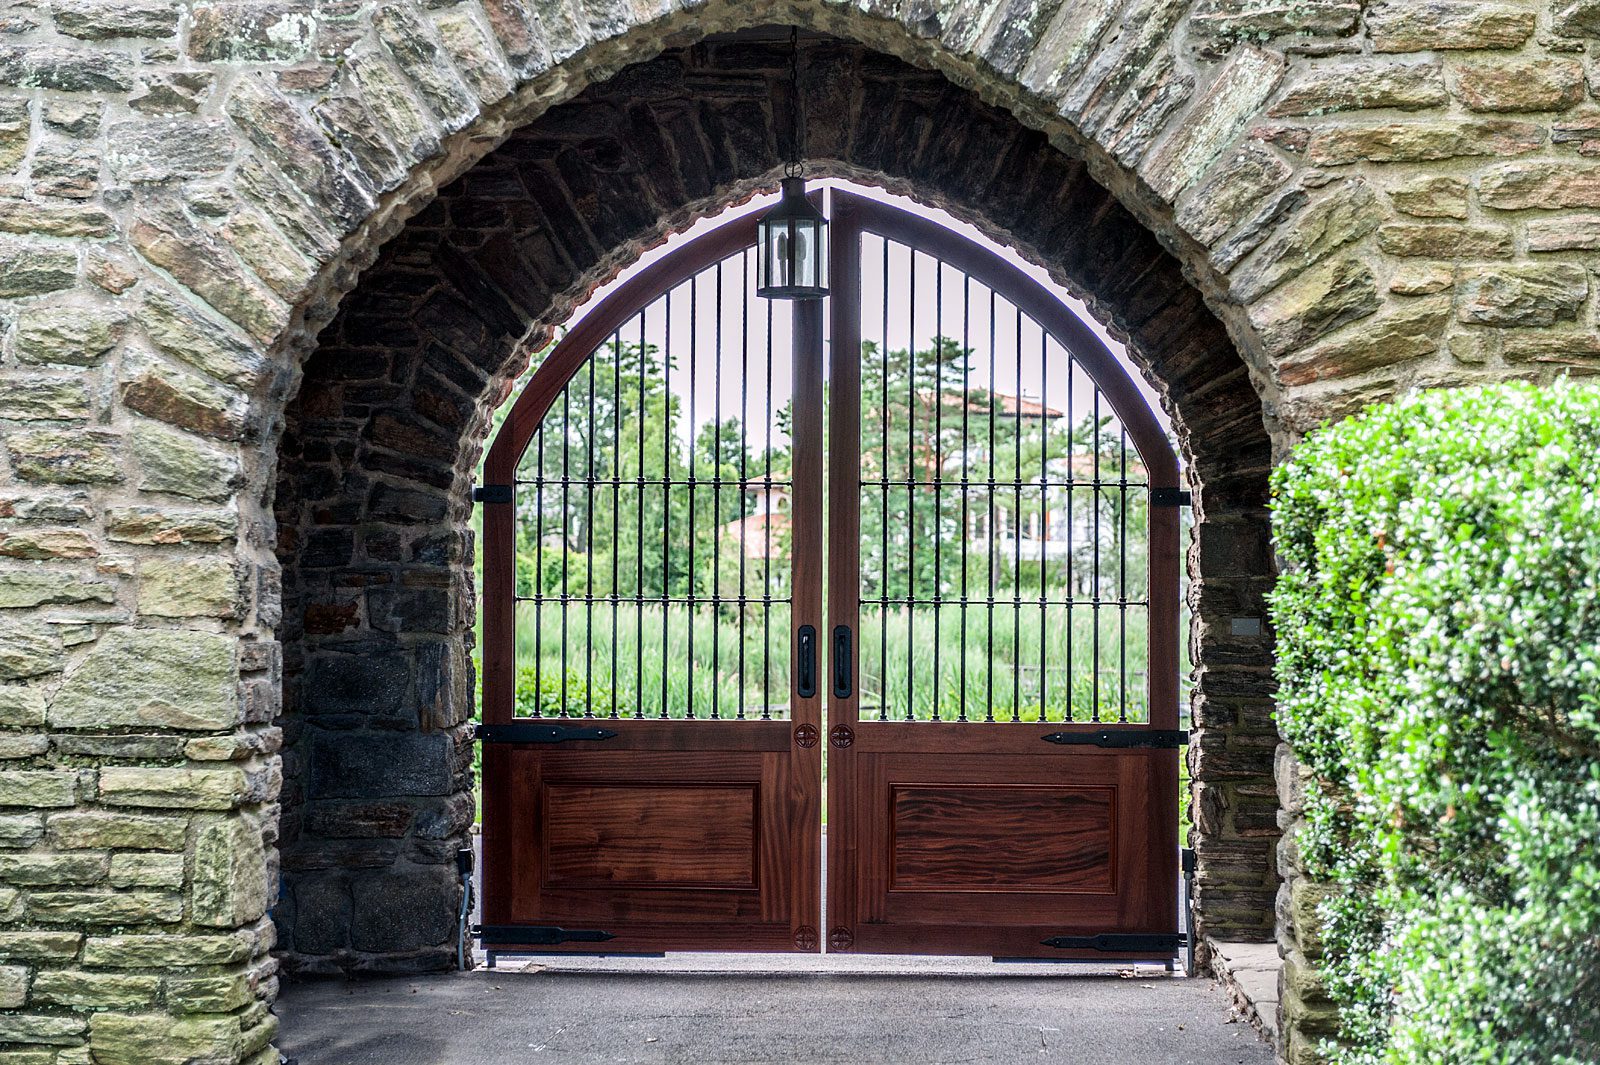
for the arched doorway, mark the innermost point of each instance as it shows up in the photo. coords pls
(376, 461)
(1000, 716)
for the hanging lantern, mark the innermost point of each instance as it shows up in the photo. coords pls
(792, 263)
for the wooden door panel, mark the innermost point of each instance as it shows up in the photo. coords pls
(955, 825)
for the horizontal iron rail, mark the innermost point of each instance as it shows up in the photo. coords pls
(1170, 739)
(537, 732)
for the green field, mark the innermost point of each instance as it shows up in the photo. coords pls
(1008, 663)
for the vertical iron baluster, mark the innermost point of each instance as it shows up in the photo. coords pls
(1016, 538)
(694, 377)
(1072, 583)
(616, 504)
(991, 495)
(588, 553)
(938, 470)
(1044, 520)
(766, 542)
(911, 491)
(666, 496)
(966, 476)
(538, 584)
(883, 473)
(716, 506)
(744, 447)
(566, 532)
(638, 548)
(1094, 495)
(1122, 582)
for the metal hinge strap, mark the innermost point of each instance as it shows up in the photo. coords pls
(492, 493)
(538, 934)
(1162, 739)
(1118, 942)
(529, 732)
(1170, 497)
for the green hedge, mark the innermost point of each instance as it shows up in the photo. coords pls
(1438, 625)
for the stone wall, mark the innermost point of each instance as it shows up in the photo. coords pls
(1366, 196)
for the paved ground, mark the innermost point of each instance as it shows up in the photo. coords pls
(682, 1012)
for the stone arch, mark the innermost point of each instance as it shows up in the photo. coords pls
(376, 459)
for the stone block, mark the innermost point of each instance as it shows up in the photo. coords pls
(45, 544)
(102, 991)
(230, 872)
(1323, 298)
(208, 994)
(35, 870)
(183, 465)
(41, 787)
(1347, 84)
(21, 830)
(86, 829)
(163, 951)
(162, 677)
(1426, 25)
(66, 334)
(184, 789)
(417, 50)
(1431, 196)
(105, 907)
(1443, 240)
(252, 31)
(1230, 191)
(163, 526)
(28, 649)
(1523, 295)
(162, 1039)
(45, 587)
(51, 947)
(1545, 186)
(1342, 217)
(30, 268)
(404, 910)
(191, 587)
(1509, 85)
(1422, 141)
(182, 399)
(190, 336)
(147, 870)
(373, 685)
(13, 986)
(1565, 232)
(34, 399)
(167, 238)
(41, 1028)
(322, 913)
(55, 456)
(1241, 86)
(359, 820)
(94, 20)
(381, 764)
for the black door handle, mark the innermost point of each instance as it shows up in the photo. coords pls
(805, 676)
(841, 662)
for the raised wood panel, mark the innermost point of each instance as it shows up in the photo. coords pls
(650, 835)
(1038, 838)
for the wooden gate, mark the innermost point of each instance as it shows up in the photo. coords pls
(999, 658)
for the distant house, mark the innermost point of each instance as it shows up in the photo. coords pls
(762, 534)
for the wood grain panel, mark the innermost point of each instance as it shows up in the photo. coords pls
(650, 835)
(948, 837)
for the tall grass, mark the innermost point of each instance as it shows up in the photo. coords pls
(1006, 663)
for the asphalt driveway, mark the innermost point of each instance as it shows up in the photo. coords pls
(930, 1014)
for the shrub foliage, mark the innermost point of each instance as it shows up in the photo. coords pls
(1438, 621)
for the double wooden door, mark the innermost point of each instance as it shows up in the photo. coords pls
(922, 531)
